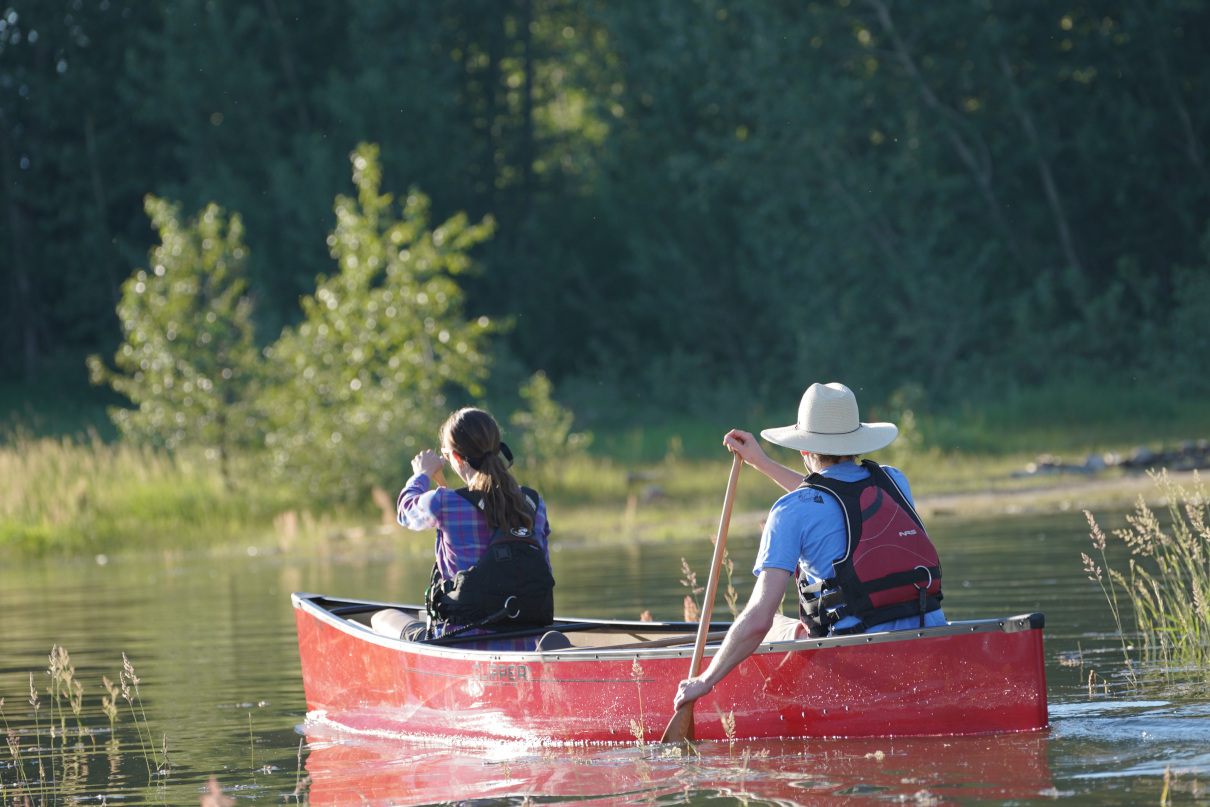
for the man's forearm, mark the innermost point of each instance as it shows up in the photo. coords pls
(787, 478)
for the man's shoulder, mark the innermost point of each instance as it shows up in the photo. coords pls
(893, 472)
(900, 479)
(802, 498)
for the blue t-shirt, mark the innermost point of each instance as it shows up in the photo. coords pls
(805, 529)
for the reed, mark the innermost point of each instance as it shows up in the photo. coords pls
(693, 604)
(1167, 581)
(64, 687)
(62, 766)
(636, 726)
(14, 748)
(130, 691)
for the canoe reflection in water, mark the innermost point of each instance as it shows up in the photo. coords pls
(361, 770)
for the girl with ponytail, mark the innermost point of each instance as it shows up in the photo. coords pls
(467, 519)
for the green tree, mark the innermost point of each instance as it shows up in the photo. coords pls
(73, 174)
(545, 425)
(363, 380)
(188, 359)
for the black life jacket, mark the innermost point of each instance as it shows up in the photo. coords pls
(890, 568)
(511, 583)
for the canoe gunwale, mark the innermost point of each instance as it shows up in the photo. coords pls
(336, 616)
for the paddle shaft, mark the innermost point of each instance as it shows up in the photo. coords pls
(681, 725)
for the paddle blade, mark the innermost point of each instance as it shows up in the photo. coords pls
(680, 727)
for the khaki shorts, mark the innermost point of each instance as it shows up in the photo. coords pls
(785, 629)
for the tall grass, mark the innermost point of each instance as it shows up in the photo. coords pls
(63, 496)
(1167, 582)
(54, 767)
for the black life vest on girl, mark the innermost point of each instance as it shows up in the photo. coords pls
(890, 568)
(511, 583)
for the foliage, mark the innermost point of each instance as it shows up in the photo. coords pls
(382, 344)
(545, 425)
(1168, 580)
(188, 360)
(702, 207)
(1190, 337)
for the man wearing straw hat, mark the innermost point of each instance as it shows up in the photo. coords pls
(808, 534)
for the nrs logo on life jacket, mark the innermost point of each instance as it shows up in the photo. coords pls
(890, 568)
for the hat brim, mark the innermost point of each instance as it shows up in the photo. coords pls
(866, 438)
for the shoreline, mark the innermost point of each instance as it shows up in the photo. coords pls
(1064, 493)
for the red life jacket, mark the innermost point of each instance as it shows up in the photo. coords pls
(890, 568)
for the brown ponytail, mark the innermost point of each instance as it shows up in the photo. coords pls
(475, 436)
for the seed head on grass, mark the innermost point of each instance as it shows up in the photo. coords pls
(636, 673)
(732, 596)
(636, 729)
(14, 747)
(728, 721)
(130, 691)
(691, 612)
(128, 668)
(109, 703)
(1093, 570)
(33, 696)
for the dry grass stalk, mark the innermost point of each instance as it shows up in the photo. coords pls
(691, 612)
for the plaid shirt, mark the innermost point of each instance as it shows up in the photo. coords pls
(462, 536)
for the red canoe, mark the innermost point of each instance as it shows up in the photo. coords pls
(616, 682)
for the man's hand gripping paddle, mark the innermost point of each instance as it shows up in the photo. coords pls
(680, 728)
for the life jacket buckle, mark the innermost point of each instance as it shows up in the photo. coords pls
(514, 614)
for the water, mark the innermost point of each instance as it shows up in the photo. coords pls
(212, 642)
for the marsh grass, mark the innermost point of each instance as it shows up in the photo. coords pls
(59, 751)
(64, 687)
(130, 691)
(71, 496)
(1166, 582)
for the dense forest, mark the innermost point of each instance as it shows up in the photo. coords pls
(694, 201)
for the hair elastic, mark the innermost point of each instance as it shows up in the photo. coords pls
(502, 448)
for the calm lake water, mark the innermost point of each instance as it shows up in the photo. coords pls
(212, 643)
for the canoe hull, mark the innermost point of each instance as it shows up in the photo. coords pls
(940, 681)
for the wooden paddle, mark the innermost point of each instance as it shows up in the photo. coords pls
(680, 727)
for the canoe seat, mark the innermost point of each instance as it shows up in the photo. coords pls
(553, 640)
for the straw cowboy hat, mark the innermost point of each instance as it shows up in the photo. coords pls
(829, 423)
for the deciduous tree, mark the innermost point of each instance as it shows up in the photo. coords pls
(363, 381)
(188, 360)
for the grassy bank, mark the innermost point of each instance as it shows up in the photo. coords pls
(69, 496)
(85, 496)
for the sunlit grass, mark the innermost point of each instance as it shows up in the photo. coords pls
(50, 764)
(1166, 582)
(84, 495)
(73, 496)
(1073, 418)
